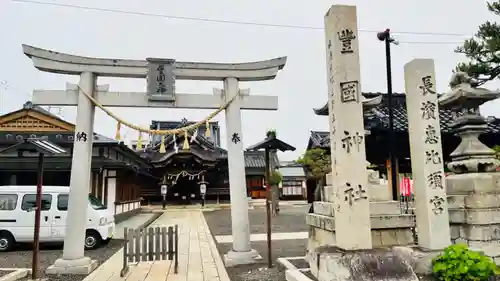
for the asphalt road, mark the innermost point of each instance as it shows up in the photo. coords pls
(290, 219)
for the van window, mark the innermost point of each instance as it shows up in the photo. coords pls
(8, 202)
(96, 203)
(29, 202)
(62, 202)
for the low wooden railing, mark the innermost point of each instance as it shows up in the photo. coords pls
(127, 206)
(150, 244)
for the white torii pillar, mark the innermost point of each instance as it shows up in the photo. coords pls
(73, 259)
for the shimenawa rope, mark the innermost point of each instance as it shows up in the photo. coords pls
(156, 132)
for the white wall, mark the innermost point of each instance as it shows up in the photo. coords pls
(111, 188)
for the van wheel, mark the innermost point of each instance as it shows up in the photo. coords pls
(6, 241)
(92, 240)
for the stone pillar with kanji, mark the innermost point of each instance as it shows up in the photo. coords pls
(427, 164)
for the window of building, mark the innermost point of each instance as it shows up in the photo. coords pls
(8, 202)
(29, 202)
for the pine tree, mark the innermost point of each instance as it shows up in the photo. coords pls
(483, 50)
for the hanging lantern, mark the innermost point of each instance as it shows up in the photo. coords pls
(118, 128)
(162, 145)
(186, 141)
(207, 129)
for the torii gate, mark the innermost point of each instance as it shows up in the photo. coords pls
(161, 74)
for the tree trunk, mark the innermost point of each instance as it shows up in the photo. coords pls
(275, 200)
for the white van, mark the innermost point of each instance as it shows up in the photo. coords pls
(17, 217)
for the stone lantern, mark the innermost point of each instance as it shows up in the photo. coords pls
(474, 189)
(471, 155)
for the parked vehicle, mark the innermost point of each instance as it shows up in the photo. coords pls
(17, 217)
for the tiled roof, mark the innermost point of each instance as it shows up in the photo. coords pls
(213, 140)
(292, 171)
(253, 159)
(319, 139)
(54, 137)
(256, 159)
(378, 118)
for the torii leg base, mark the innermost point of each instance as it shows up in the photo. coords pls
(81, 266)
(233, 258)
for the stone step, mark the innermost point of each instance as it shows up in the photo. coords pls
(377, 222)
(376, 208)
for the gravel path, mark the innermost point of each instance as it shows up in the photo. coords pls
(21, 258)
(255, 272)
(290, 219)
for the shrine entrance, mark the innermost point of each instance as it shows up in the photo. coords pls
(161, 75)
(185, 191)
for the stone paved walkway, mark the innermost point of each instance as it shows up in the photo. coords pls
(199, 259)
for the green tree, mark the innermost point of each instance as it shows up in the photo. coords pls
(276, 178)
(271, 133)
(496, 148)
(317, 162)
(482, 50)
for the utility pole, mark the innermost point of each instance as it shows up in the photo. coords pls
(386, 37)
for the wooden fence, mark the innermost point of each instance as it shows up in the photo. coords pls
(150, 244)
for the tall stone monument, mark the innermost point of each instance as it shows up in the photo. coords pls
(347, 133)
(343, 230)
(426, 155)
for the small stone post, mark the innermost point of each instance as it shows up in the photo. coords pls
(426, 155)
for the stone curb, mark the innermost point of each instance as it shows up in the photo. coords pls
(16, 275)
(292, 273)
(147, 223)
(221, 268)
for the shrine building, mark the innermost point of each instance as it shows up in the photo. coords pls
(117, 172)
(204, 160)
(376, 122)
(125, 177)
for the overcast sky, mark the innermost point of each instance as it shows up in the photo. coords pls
(301, 86)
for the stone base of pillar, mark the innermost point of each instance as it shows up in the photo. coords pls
(419, 259)
(331, 263)
(81, 266)
(233, 258)
(389, 228)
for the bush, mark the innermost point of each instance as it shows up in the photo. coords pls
(458, 263)
(276, 178)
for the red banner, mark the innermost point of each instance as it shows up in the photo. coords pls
(406, 187)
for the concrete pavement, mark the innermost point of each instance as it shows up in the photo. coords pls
(114, 264)
(198, 255)
(133, 222)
